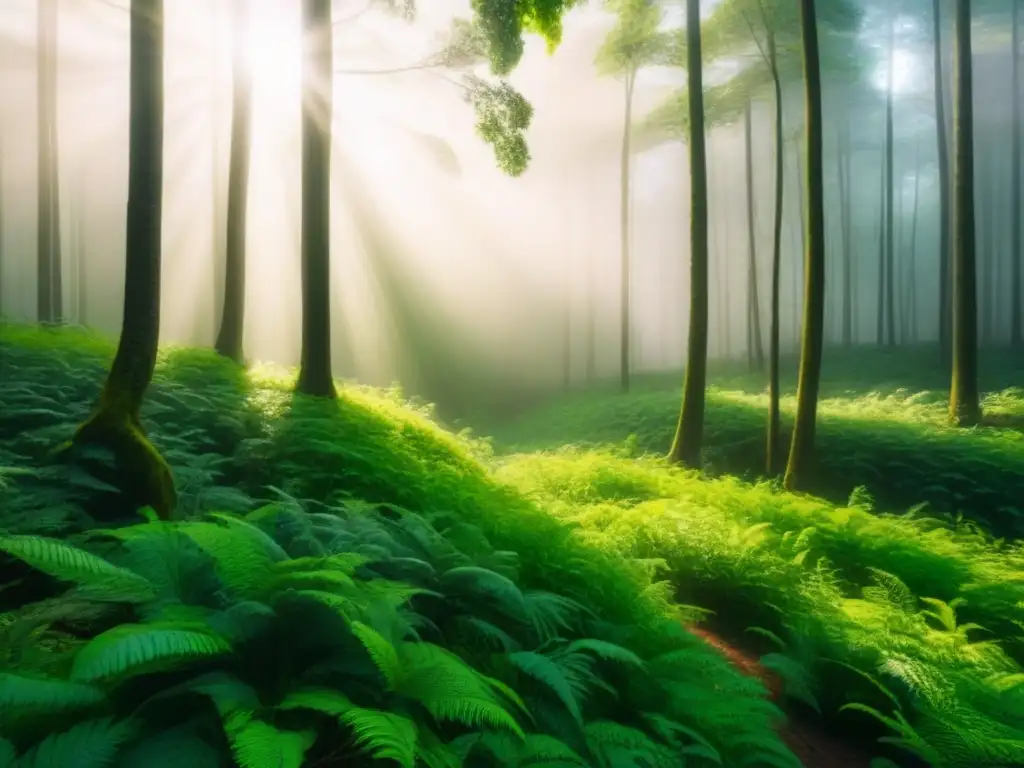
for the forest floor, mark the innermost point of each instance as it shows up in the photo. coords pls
(860, 624)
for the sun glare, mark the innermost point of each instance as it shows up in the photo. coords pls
(274, 52)
(904, 67)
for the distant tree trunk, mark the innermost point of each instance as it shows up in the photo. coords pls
(318, 81)
(755, 345)
(689, 432)
(880, 317)
(1016, 251)
(217, 232)
(49, 289)
(801, 453)
(232, 323)
(964, 401)
(890, 250)
(115, 424)
(774, 460)
(2, 223)
(624, 232)
(567, 274)
(911, 299)
(82, 260)
(945, 306)
(843, 158)
(802, 240)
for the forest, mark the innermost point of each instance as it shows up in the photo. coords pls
(526, 383)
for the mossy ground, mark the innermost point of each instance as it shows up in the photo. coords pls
(918, 620)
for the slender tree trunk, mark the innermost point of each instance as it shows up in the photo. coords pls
(774, 460)
(801, 453)
(912, 266)
(942, 144)
(843, 159)
(624, 232)
(880, 317)
(964, 401)
(49, 290)
(115, 424)
(890, 250)
(755, 345)
(802, 240)
(2, 224)
(232, 323)
(1016, 251)
(567, 275)
(315, 367)
(985, 236)
(690, 429)
(217, 232)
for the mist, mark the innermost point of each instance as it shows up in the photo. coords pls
(466, 286)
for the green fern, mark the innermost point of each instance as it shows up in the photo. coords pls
(133, 649)
(98, 579)
(90, 744)
(21, 696)
(258, 744)
(171, 748)
(385, 735)
(553, 676)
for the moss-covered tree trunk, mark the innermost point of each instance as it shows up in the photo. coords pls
(115, 423)
(232, 323)
(774, 461)
(964, 403)
(317, 84)
(49, 291)
(755, 344)
(942, 143)
(1016, 250)
(624, 309)
(801, 451)
(686, 445)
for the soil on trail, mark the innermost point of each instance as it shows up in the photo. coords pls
(815, 747)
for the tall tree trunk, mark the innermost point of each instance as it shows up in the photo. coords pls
(624, 233)
(880, 317)
(942, 145)
(232, 323)
(591, 352)
(2, 224)
(49, 292)
(911, 299)
(964, 401)
(890, 250)
(801, 453)
(1016, 251)
(802, 240)
(985, 236)
(317, 84)
(843, 158)
(217, 232)
(774, 460)
(755, 345)
(689, 432)
(115, 424)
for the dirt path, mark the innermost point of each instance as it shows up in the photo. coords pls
(814, 747)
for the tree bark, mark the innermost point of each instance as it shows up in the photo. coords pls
(315, 360)
(115, 424)
(942, 144)
(843, 159)
(1016, 251)
(880, 314)
(624, 320)
(49, 292)
(755, 345)
(230, 338)
(774, 461)
(690, 430)
(912, 265)
(964, 401)
(801, 453)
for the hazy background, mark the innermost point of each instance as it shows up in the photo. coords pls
(447, 275)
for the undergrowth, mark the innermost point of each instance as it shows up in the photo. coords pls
(897, 444)
(350, 583)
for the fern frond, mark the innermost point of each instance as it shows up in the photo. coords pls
(97, 578)
(605, 651)
(258, 744)
(28, 695)
(134, 649)
(385, 735)
(550, 674)
(381, 651)
(92, 744)
(325, 700)
(470, 580)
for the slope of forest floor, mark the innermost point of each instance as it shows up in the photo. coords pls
(566, 579)
(882, 428)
